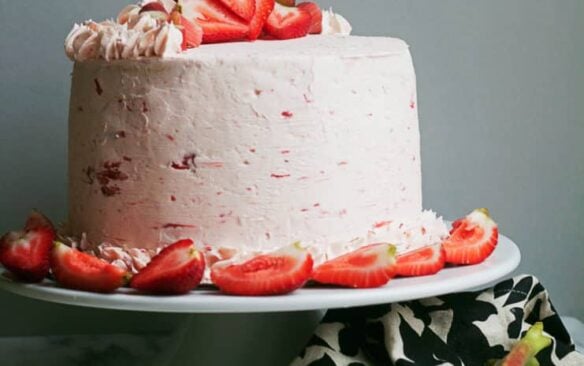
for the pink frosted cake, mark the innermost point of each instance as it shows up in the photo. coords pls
(244, 147)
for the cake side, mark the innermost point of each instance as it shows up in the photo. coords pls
(247, 150)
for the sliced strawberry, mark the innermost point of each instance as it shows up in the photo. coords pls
(263, 10)
(288, 22)
(276, 273)
(243, 8)
(153, 6)
(37, 220)
(315, 16)
(81, 271)
(26, 253)
(370, 266)
(176, 270)
(287, 2)
(421, 262)
(524, 352)
(192, 32)
(472, 238)
(156, 10)
(219, 23)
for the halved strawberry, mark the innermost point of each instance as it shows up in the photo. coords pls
(287, 2)
(472, 238)
(81, 271)
(367, 267)
(176, 270)
(219, 23)
(315, 16)
(26, 253)
(192, 32)
(421, 262)
(243, 8)
(288, 22)
(276, 273)
(263, 10)
(156, 10)
(153, 6)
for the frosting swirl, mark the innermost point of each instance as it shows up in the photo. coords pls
(134, 35)
(335, 24)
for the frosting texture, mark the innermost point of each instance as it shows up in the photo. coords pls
(319, 144)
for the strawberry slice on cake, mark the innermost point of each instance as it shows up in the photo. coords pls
(276, 273)
(263, 10)
(367, 267)
(192, 32)
(288, 22)
(219, 22)
(155, 9)
(315, 16)
(26, 253)
(472, 238)
(245, 9)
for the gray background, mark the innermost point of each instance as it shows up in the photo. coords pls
(501, 89)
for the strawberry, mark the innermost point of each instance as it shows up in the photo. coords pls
(366, 267)
(156, 10)
(472, 238)
(288, 22)
(525, 351)
(287, 2)
(26, 253)
(315, 16)
(263, 10)
(153, 6)
(276, 273)
(176, 270)
(192, 32)
(219, 23)
(243, 8)
(81, 271)
(421, 262)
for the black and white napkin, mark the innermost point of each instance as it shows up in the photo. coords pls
(458, 329)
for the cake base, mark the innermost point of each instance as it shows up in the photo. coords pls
(407, 234)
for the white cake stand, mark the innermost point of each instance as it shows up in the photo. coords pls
(220, 330)
(503, 261)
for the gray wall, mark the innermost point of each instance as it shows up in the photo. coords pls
(501, 89)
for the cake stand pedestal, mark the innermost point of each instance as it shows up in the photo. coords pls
(221, 330)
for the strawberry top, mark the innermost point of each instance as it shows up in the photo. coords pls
(166, 27)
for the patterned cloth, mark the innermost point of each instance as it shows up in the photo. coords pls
(458, 329)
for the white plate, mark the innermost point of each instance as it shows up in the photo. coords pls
(502, 262)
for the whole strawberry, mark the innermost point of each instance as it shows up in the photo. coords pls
(26, 253)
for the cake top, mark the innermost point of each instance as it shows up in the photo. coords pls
(320, 45)
(168, 28)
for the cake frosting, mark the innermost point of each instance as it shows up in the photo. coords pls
(247, 147)
(333, 23)
(133, 36)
